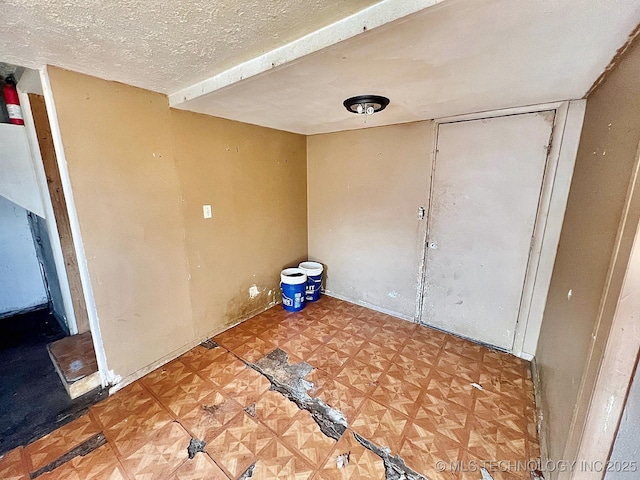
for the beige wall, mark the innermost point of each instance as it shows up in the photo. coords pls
(140, 174)
(602, 174)
(255, 180)
(365, 187)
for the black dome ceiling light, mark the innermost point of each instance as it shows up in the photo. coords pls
(366, 104)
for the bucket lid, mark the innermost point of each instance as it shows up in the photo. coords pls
(312, 268)
(293, 276)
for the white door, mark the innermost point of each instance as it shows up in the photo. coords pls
(485, 192)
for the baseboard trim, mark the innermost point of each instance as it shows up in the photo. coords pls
(138, 374)
(370, 306)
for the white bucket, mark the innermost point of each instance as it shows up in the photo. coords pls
(293, 284)
(314, 279)
(293, 276)
(312, 268)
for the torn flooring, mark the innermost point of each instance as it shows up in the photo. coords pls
(396, 384)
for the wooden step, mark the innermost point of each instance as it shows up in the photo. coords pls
(75, 361)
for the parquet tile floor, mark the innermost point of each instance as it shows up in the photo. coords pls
(399, 385)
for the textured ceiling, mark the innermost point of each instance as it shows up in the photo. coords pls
(7, 69)
(456, 57)
(246, 59)
(158, 45)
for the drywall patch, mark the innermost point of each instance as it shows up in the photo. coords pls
(253, 291)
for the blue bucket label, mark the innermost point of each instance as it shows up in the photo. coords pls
(293, 296)
(312, 291)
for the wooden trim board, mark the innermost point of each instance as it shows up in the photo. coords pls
(49, 160)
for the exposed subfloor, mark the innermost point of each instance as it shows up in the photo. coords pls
(75, 361)
(33, 400)
(377, 382)
(75, 356)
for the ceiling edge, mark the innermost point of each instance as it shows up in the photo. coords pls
(362, 21)
(614, 61)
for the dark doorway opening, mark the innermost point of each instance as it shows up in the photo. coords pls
(33, 400)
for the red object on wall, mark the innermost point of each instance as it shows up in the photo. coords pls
(10, 95)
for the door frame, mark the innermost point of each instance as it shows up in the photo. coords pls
(37, 81)
(565, 135)
(29, 82)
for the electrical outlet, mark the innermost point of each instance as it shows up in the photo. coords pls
(206, 211)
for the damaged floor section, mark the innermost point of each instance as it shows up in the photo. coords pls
(289, 380)
(333, 392)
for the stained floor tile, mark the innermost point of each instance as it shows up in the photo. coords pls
(247, 387)
(376, 356)
(356, 462)
(205, 420)
(182, 396)
(223, 369)
(359, 375)
(13, 465)
(433, 456)
(101, 464)
(200, 357)
(47, 449)
(395, 393)
(380, 424)
(275, 411)
(328, 359)
(341, 397)
(304, 436)
(253, 349)
(199, 468)
(237, 446)
(397, 384)
(135, 428)
(277, 461)
(158, 454)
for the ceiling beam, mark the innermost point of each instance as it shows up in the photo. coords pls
(372, 17)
